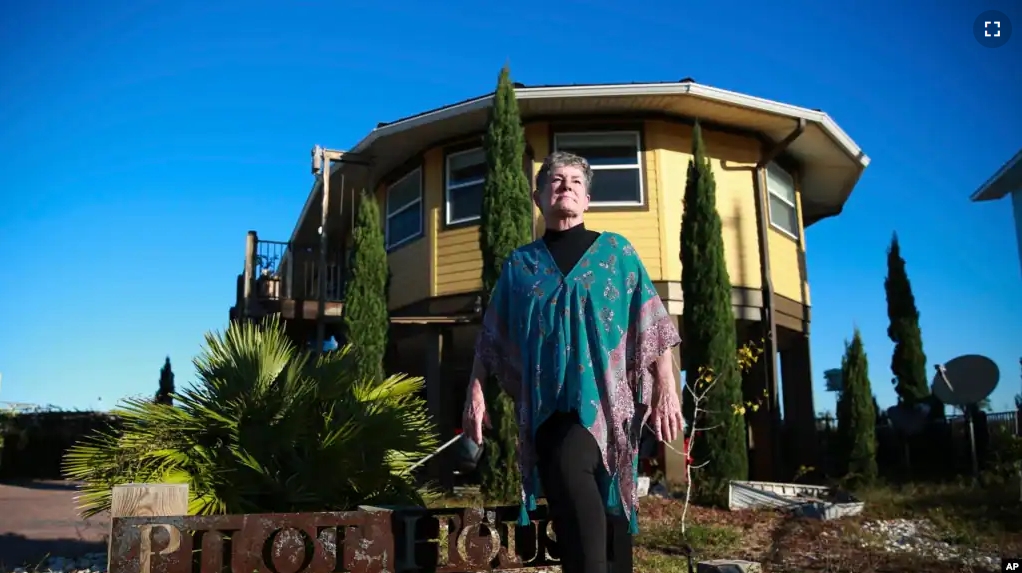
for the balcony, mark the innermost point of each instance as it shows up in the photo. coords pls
(279, 278)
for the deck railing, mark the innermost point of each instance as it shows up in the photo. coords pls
(276, 270)
(302, 269)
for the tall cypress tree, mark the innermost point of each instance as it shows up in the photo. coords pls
(164, 394)
(366, 319)
(908, 363)
(881, 414)
(709, 322)
(505, 225)
(857, 416)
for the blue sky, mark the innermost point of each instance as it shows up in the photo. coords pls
(140, 141)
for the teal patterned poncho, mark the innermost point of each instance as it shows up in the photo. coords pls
(586, 341)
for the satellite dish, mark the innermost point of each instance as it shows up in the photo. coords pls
(909, 420)
(965, 380)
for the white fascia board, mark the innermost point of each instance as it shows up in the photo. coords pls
(611, 90)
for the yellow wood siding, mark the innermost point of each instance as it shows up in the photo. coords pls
(784, 265)
(449, 261)
(732, 159)
(409, 264)
(459, 261)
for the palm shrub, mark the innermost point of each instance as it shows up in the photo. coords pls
(266, 428)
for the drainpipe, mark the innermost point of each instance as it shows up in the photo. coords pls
(770, 351)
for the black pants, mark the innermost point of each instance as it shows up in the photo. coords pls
(589, 540)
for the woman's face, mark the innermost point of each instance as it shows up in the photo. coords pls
(564, 194)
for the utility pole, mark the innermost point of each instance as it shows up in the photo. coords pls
(321, 160)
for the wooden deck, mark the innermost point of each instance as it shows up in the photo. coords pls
(309, 309)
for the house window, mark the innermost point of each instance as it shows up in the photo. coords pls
(404, 209)
(781, 195)
(466, 171)
(616, 161)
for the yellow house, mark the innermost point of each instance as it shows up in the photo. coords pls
(779, 169)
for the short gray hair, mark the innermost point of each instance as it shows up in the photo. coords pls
(564, 159)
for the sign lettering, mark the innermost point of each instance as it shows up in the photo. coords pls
(370, 540)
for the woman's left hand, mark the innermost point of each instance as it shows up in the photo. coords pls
(666, 417)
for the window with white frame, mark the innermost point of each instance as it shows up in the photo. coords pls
(466, 172)
(616, 159)
(781, 195)
(404, 209)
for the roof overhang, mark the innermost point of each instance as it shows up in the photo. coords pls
(831, 161)
(1007, 179)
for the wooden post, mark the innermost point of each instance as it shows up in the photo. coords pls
(148, 500)
(250, 265)
(289, 273)
(438, 397)
(797, 389)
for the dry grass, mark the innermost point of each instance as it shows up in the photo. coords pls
(988, 520)
(710, 534)
(984, 520)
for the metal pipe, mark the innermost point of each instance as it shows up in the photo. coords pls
(762, 205)
(431, 456)
(321, 272)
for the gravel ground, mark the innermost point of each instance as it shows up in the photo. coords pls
(920, 537)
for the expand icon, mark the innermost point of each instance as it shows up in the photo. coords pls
(992, 29)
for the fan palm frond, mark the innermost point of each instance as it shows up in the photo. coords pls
(265, 429)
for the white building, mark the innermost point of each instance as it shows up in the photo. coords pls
(1007, 181)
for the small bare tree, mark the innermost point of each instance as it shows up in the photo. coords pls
(698, 390)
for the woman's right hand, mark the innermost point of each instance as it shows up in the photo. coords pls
(474, 418)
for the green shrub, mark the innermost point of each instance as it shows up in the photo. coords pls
(505, 224)
(33, 443)
(1004, 456)
(266, 428)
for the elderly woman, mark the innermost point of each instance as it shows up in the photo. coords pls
(577, 335)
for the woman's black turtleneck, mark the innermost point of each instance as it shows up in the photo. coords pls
(568, 246)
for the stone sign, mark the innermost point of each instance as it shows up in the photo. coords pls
(370, 540)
